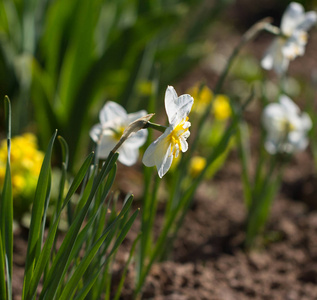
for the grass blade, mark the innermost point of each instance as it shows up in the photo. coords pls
(36, 218)
(124, 273)
(6, 206)
(2, 271)
(124, 231)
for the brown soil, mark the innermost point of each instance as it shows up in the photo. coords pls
(208, 261)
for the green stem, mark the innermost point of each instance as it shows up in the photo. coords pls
(155, 126)
(247, 37)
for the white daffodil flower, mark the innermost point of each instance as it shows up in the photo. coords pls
(292, 41)
(286, 126)
(113, 121)
(162, 151)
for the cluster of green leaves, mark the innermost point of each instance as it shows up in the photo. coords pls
(79, 268)
(261, 187)
(69, 56)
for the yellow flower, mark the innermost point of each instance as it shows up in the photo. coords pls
(203, 96)
(26, 161)
(221, 107)
(196, 165)
(18, 184)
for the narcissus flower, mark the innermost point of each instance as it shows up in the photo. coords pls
(162, 151)
(113, 121)
(292, 40)
(286, 126)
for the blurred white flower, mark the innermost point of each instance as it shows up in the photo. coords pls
(162, 151)
(286, 126)
(113, 121)
(294, 26)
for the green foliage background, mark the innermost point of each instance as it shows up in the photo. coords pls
(61, 60)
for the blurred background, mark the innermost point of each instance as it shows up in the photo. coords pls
(60, 61)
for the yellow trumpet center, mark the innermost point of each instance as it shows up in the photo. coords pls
(117, 132)
(287, 126)
(174, 137)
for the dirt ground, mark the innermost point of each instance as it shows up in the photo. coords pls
(208, 261)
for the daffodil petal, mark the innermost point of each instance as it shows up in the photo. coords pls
(164, 164)
(294, 46)
(137, 139)
(299, 141)
(177, 108)
(271, 116)
(157, 150)
(273, 57)
(95, 132)
(170, 107)
(309, 20)
(293, 15)
(306, 122)
(111, 111)
(105, 145)
(288, 105)
(184, 144)
(137, 115)
(127, 155)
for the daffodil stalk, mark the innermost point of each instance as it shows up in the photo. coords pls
(155, 126)
(246, 38)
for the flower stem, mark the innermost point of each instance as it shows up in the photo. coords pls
(247, 37)
(155, 126)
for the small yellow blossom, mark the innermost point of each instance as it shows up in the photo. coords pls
(18, 183)
(221, 107)
(26, 161)
(196, 165)
(204, 96)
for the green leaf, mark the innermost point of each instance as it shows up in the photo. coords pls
(85, 194)
(124, 232)
(6, 206)
(56, 272)
(124, 273)
(45, 254)
(81, 295)
(36, 218)
(78, 178)
(65, 151)
(244, 153)
(71, 285)
(2, 271)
